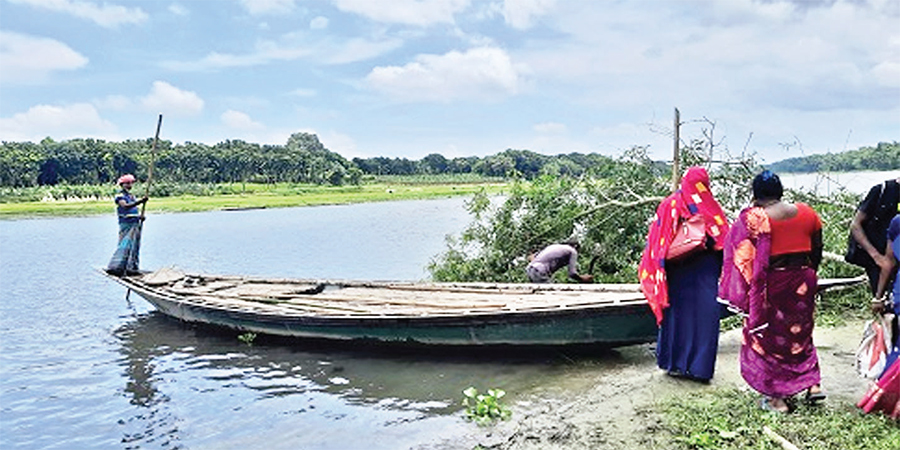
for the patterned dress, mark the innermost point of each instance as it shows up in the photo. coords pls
(127, 254)
(778, 357)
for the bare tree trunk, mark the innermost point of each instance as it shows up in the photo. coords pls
(676, 161)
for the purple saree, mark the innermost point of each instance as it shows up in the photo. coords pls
(778, 357)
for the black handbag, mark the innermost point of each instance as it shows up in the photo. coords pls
(856, 255)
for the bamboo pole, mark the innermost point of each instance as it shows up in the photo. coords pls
(152, 162)
(136, 232)
(676, 160)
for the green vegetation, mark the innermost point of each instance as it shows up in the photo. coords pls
(607, 210)
(247, 338)
(731, 419)
(303, 159)
(227, 196)
(485, 408)
(884, 156)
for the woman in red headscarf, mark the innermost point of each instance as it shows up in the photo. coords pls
(682, 293)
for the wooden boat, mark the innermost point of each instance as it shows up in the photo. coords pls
(455, 314)
(479, 314)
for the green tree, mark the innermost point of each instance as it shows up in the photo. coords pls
(607, 210)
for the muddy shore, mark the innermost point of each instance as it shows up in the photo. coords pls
(593, 409)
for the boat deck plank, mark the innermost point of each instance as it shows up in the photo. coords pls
(388, 299)
(385, 300)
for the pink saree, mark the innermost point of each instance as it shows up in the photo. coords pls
(778, 358)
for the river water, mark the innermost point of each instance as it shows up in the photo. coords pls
(82, 367)
(826, 183)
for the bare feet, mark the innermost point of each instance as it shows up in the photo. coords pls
(774, 404)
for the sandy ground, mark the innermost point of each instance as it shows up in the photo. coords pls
(596, 409)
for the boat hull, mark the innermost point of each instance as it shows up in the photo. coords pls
(608, 325)
(622, 326)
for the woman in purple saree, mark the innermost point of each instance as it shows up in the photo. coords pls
(771, 255)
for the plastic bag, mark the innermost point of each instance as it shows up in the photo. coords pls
(874, 347)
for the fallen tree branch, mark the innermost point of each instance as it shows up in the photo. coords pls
(639, 202)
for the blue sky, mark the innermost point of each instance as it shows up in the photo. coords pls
(405, 78)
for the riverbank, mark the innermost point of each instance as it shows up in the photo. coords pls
(306, 195)
(631, 407)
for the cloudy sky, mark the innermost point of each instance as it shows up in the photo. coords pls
(405, 78)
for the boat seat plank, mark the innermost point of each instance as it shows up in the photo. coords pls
(361, 301)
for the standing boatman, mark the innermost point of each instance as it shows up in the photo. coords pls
(125, 260)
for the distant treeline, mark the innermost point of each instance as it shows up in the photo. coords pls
(92, 162)
(884, 156)
(303, 159)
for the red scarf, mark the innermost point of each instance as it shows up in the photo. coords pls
(694, 197)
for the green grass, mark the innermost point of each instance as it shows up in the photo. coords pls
(253, 196)
(731, 419)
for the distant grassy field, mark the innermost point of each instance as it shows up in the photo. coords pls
(254, 196)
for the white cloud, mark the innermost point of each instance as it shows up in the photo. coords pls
(178, 10)
(476, 74)
(261, 7)
(357, 50)
(114, 102)
(29, 58)
(79, 120)
(265, 52)
(887, 73)
(108, 16)
(613, 138)
(169, 100)
(339, 143)
(318, 23)
(408, 12)
(520, 14)
(722, 55)
(240, 121)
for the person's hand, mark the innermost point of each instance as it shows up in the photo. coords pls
(586, 278)
(878, 306)
(143, 217)
(144, 199)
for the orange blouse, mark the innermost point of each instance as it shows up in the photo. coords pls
(794, 235)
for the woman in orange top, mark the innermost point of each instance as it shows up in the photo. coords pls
(771, 256)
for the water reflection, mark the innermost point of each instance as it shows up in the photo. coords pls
(210, 375)
(154, 423)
